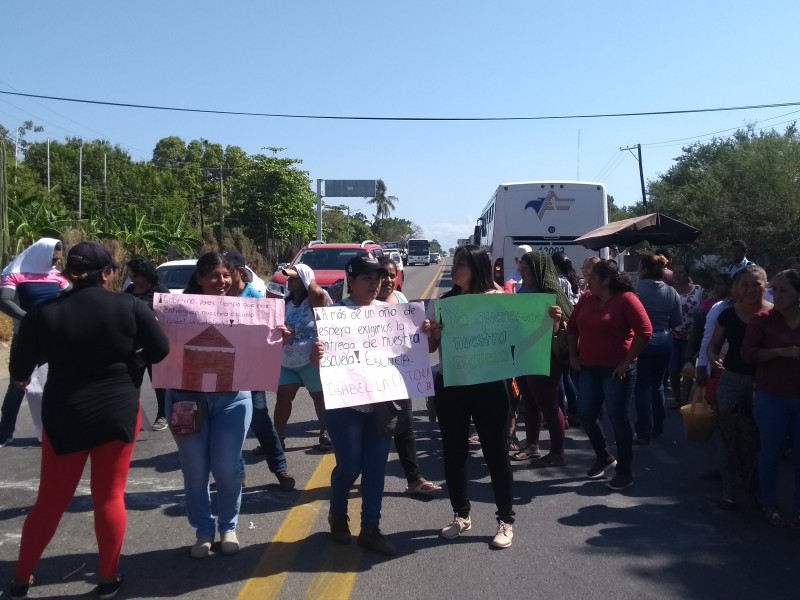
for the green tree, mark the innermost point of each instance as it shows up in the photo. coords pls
(436, 246)
(384, 205)
(393, 229)
(744, 187)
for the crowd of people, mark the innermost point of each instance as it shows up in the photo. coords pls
(615, 347)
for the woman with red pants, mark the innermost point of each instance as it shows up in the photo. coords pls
(540, 392)
(97, 344)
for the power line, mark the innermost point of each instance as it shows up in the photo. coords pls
(432, 119)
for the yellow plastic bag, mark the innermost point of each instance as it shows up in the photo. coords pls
(698, 417)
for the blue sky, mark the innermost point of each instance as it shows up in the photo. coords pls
(409, 59)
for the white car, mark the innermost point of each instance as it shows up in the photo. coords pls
(175, 275)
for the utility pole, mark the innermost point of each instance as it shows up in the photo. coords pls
(105, 183)
(221, 210)
(641, 171)
(80, 182)
(48, 165)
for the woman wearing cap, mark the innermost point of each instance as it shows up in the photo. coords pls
(217, 447)
(357, 445)
(90, 404)
(296, 369)
(145, 283)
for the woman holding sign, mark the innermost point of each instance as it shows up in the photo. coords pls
(486, 404)
(608, 329)
(357, 445)
(213, 440)
(540, 393)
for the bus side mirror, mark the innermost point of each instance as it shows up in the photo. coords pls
(478, 234)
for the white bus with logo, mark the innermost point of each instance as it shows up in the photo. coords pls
(418, 252)
(545, 215)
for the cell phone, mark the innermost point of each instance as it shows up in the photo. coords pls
(276, 289)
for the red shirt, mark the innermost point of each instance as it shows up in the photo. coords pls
(779, 376)
(605, 333)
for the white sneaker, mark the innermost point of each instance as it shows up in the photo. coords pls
(505, 533)
(230, 543)
(457, 527)
(202, 547)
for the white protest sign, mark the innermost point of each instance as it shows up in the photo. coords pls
(373, 354)
(219, 343)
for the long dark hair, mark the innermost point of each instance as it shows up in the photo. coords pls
(481, 268)
(205, 264)
(142, 266)
(617, 282)
(564, 266)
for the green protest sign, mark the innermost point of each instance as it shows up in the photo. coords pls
(488, 337)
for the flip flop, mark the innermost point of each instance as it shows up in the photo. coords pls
(424, 487)
(526, 454)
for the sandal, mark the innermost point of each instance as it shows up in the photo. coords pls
(773, 517)
(527, 453)
(548, 460)
(514, 445)
(423, 486)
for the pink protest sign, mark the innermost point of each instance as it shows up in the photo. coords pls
(373, 353)
(219, 343)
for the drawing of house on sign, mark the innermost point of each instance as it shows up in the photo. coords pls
(208, 361)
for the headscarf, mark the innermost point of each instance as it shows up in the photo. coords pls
(35, 259)
(546, 275)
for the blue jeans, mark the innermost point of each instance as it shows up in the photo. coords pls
(215, 449)
(777, 417)
(597, 387)
(359, 450)
(651, 366)
(264, 430)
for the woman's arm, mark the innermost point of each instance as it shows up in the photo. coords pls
(317, 298)
(756, 337)
(638, 344)
(7, 304)
(714, 347)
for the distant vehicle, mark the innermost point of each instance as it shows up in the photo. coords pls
(328, 261)
(435, 258)
(546, 215)
(175, 275)
(419, 252)
(398, 260)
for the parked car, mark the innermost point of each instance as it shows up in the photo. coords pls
(175, 275)
(435, 258)
(328, 261)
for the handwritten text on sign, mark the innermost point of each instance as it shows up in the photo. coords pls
(489, 337)
(219, 343)
(373, 353)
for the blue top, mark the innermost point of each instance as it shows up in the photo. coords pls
(250, 292)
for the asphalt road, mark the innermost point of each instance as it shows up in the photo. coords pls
(662, 538)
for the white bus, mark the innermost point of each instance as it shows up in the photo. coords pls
(546, 215)
(418, 252)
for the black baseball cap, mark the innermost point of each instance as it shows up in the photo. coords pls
(363, 264)
(90, 256)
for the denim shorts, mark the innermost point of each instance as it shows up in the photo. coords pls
(307, 376)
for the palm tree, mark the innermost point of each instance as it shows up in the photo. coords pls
(384, 205)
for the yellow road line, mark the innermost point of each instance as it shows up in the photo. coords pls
(432, 284)
(337, 573)
(268, 578)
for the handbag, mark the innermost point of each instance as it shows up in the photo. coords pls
(186, 418)
(391, 418)
(560, 345)
(698, 417)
